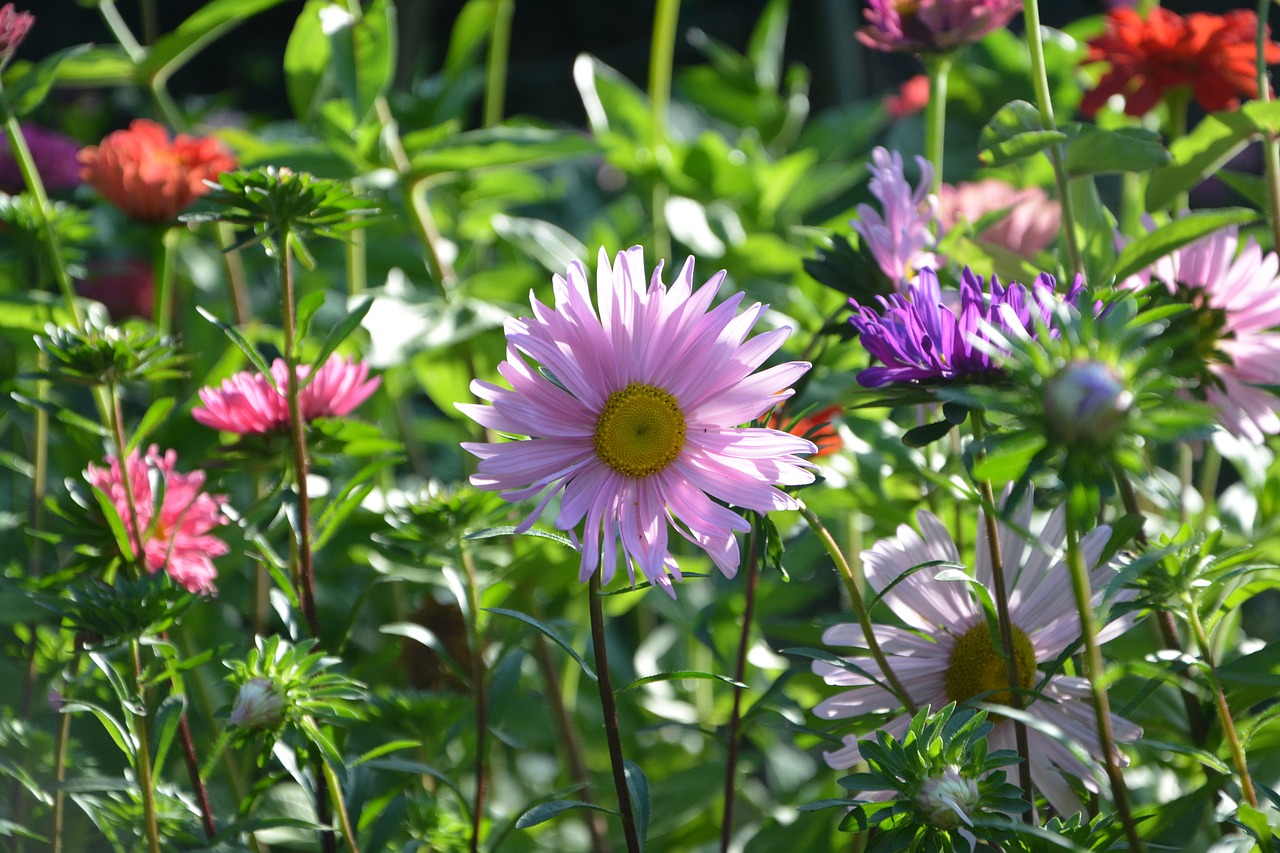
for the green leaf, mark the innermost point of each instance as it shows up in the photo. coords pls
(30, 90)
(118, 733)
(507, 530)
(1093, 150)
(213, 20)
(307, 308)
(679, 675)
(401, 765)
(546, 811)
(638, 788)
(384, 749)
(926, 434)
(97, 67)
(363, 53)
(1214, 141)
(428, 638)
(1186, 228)
(155, 415)
(1094, 228)
(494, 148)
(548, 244)
(1007, 459)
(164, 727)
(1014, 133)
(249, 350)
(551, 633)
(307, 57)
(1265, 115)
(340, 332)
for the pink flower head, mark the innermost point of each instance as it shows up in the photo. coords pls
(945, 654)
(932, 26)
(14, 26)
(55, 159)
(898, 239)
(1237, 301)
(1030, 222)
(249, 403)
(150, 177)
(634, 418)
(175, 535)
(912, 97)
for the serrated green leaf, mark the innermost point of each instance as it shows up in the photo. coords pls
(551, 634)
(546, 811)
(638, 788)
(678, 675)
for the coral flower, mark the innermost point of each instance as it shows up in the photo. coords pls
(150, 177)
(947, 654)
(918, 338)
(911, 98)
(1213, 56)
(176, 540)
(249, 403)
(900, 238)
(634, 418)
(54, 156)
(932, 26)
(816, 427)
(1030, 220)
(1235, 308)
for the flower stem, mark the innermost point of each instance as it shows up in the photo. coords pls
(142, 759)
(340, 806)
(859, 608)
(495, 81)
(609, 709)
(662, 50)
(739, 674)
(1270, 142)
(61, 739)
(478, 693)
(163, 266)
(1040, 79)
(938, 67)
(1093, 667)
(1220, 701)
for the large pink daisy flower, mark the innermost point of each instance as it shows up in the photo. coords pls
(176, 538)
(946, 654)
(249, 403)
(634, 417)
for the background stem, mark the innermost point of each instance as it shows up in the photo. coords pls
(609, 708)
(739, 675)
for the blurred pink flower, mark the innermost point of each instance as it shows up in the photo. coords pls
(912, 97)
(932, 26)
(248, 403)
(1029, 225)
(55, 159)
(900, 237)
(14, 26)
(149, 176)
(126, 287)
(177, 539)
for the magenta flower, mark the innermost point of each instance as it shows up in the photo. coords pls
(14, 26)
(900, 238)
(634, 418)
(249, 403)
(1030, 221)
(1235, 305)
(932, 26)
(176, 539)
(55, 159)
(918, 338)
(946, 654)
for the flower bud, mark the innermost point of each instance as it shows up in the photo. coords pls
(14, 26)
(258, 705)
(1086, 403)
(947, 799)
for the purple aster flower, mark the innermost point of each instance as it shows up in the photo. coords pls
(55, 159)
(899, 239)
(920, 338)
(932, 26)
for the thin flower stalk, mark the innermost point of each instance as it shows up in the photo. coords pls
(859, 608)
(479, 695)
(1094, 672)
(739, 674)
(609, 708)
(661, 59)
(141, 726)
(935, 113)
(340, 806)
(1270, 142)
(1040, 79)
(61, 739)
(166, 240)
(495, 81)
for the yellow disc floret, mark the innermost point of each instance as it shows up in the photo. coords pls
(640, 430)
(976, 667)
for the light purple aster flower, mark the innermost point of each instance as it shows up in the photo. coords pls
(55, 159)
(945, 654)
(918, 338)
(634, 418)
(900, 238)
(932, 26)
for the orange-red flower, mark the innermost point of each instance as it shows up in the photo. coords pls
(147, 175)
(912, 97)
(817, 427)
(1215, 56)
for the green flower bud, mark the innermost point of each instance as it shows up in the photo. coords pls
(1086, 403)
(947, 799)
(258, 705)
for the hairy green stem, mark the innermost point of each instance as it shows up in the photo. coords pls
(938, 67)
(495, 80)
(609, 709)
(1270, 142)
(739, 675)
(859, 608)
(340, 807)
(142, 735)
(662, 50)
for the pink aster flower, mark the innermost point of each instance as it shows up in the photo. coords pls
(250, 403)
(932, 26)
(899, 238)
(1030, 221)
(176, 539)
(634, 418)
(14, 26)
(946, 655)
(1235, 303)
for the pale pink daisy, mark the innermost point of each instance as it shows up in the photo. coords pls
(900, 238)
(946, 655)
(1236, 300)
(250, 403)
(1030, 221)
(634, 418)
(175, 534)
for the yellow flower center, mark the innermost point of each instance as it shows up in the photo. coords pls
(976, 666)
(640, 430)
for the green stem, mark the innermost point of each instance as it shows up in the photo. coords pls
(120, 30)
(340, 806)
(661, 60)
(142, 734)
(165, 238)
(495, 81)
(859, 608)
(938, 67)
(1040, 79)
(739, 675)
(357, 261)
(609, 708)
(478, 693)
(1270, 142)
(1093, 668)
(61, 739)
(239, 292)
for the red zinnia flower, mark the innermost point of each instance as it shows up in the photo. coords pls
(150, 177)
(912, 97)
(817, 427)
(1215, 56)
